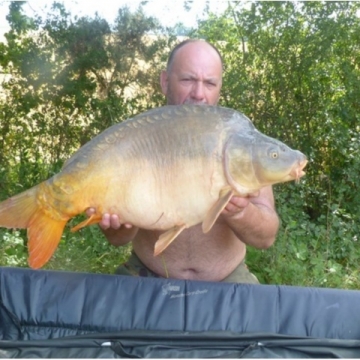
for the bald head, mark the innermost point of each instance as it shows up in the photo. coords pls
(193, 74)
(184, 43)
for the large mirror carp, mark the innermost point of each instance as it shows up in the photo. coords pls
(167, 169)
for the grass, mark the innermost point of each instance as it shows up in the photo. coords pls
(85, 251)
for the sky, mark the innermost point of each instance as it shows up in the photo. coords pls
(169, 12)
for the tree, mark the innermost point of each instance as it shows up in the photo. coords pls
(71, 79)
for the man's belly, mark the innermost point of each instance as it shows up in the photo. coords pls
(193, 255)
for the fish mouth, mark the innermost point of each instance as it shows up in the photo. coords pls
(297, 171)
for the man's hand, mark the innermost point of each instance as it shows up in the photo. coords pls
(253, 218)
(237, 204)
(109, 221)
(115, 231)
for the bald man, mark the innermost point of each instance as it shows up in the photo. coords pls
(194, 76)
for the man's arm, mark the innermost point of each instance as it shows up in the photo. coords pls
(116, 233)
(253, 219)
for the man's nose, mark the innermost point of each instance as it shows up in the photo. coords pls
(198, 91)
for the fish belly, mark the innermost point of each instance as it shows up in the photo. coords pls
(159, 198)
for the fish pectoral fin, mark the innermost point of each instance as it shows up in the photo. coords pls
(93, 219)
(167, 238)
(216, 209)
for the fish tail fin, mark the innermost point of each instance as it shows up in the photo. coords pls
(44, 234)
(44, 230)
(16, 212)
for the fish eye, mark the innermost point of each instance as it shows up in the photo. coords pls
(274, 154)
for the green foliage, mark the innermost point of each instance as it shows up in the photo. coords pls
(12, 249)
(88, 251)
(293, 67)
(69, 79)
(308, 253)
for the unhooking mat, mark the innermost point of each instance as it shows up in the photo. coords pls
(48, 314)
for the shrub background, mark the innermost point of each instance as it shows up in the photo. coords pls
(292, 67)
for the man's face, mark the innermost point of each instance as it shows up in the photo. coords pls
(195, 76)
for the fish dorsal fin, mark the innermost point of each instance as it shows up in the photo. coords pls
(93, 219)
(167, 238)
(216, 209)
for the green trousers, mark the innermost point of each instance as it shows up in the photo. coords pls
(134, 267)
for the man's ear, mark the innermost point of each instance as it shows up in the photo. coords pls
(164, 81)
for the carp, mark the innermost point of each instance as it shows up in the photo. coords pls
(167, 169)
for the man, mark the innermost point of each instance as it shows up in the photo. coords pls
(194, 76)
